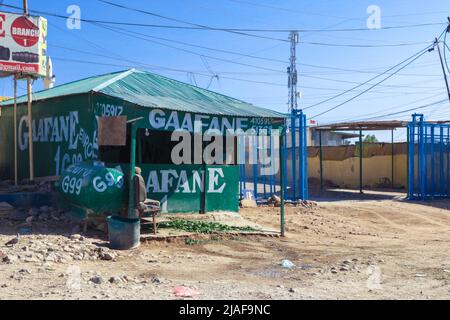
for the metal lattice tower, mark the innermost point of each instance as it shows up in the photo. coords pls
(292, 73)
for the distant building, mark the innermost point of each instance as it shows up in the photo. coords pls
(329, 138)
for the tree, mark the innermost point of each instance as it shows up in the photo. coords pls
(370, 139)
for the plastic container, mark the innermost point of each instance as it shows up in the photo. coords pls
(123, 233)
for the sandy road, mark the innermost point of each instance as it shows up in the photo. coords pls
(371, 249)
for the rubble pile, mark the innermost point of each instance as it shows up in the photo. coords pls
(56, 249)
(7, 186)
(47, 234)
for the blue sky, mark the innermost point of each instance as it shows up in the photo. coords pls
(421, 81)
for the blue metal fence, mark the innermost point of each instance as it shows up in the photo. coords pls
(428, 159)
(295, 163)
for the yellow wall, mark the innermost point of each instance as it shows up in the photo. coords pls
(345, 173)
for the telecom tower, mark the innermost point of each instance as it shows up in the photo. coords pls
(292, 73)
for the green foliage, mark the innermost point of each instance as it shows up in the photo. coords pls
(204, 227)
(191, 242)
(370, 139)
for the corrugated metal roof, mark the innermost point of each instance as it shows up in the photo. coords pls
(151, 90)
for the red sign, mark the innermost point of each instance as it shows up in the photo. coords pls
(2, 31)
(24, 32)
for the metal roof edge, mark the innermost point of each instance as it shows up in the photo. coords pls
(112, 80)
(174, 109)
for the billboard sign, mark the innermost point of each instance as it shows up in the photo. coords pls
(23, 44)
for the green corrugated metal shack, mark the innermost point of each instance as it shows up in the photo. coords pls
(65, 131)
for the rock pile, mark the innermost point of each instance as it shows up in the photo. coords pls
(56, 249)
(46, 236)
(42, 214)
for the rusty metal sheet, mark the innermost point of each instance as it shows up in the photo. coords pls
(112, 131)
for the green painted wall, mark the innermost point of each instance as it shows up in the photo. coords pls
(63, 133)
(186, 188)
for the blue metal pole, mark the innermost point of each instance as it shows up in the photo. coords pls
(264, 143)
(422, 159)
(433, 187)
(448, 162)
(305, 157)
(294, 159)
(282, 182)
(255, 166)
(441, 160)
(410, 163)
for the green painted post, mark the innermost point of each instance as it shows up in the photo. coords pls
(132, 165)
(282, 182)
(360, 161)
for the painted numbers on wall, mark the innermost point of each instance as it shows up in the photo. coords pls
(71, 185)
(101, 184)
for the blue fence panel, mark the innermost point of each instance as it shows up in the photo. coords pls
(295, 162)
(428, 159)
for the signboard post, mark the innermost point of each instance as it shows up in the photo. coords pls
(15, 131)
(23, 54)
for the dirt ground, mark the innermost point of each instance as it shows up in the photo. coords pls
(381, 247)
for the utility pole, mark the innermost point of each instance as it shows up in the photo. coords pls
(292, 72)
(30, 120)
(436, 44)
(25, 7)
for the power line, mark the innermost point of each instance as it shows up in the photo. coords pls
(445, 50)
(371, 79)
(240, 31)
(351, 70)
(354, 82)
(201, 47)
(371, 87)
(132, 35)
(156, 67)
(185, 22)
(363, 45)
(164, 68)
(393, 108)
(407, 110)
(291, 10)
(330, 16)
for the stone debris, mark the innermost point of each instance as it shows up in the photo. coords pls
(34, 248)
(274, 200)
(117, 280)
(97, 280)
(287, 264)
(182, 291)
(5, 208)
(7, 186)
(248, 203)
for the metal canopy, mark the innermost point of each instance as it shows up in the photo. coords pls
(363, 125)
(360, 126)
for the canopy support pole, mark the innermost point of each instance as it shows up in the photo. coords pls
(321, 160)
(360, 162)
(131, 194)
(16, 175)
(392, 159)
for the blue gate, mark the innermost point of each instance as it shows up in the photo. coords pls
(428, 159)
(295, 164)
